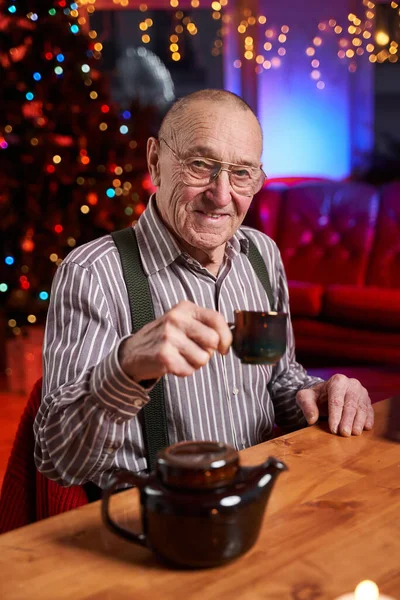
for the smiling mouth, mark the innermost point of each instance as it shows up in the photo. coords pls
(214, 216)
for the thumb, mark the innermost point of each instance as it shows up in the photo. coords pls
(307, 400)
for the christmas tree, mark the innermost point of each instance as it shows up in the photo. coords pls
(72, 166)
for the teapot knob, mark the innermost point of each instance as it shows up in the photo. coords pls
(197, 465)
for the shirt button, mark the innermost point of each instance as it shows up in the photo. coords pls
(235, 391)
(138, 403)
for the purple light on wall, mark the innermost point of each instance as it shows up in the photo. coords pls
(309, 131)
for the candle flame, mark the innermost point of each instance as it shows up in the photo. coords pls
(366, 590)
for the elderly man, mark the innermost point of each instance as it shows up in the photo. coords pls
(98, 375)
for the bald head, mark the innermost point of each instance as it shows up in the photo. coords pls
(176, 117)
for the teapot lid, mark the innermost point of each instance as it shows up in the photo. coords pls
(197, 465)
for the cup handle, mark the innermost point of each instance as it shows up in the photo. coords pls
(123, 477)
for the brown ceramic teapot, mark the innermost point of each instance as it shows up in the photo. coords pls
(200, 508)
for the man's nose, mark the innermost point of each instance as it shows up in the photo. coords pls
(219, 190)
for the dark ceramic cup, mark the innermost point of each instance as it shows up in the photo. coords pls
(259, 337)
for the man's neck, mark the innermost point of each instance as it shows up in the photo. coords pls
(211, 261)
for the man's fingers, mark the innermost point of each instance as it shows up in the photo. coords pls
(307, 401)
(359, 420)
(369, 423)
(203, 335)
(205, 326)
(336, 388)
(175, 363)
(217, 323)
(351, 407)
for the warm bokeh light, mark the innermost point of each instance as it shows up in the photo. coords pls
(382, 38)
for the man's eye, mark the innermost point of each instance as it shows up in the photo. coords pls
(198, 163)
(242, 173)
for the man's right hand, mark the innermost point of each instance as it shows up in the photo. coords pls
(179, 342)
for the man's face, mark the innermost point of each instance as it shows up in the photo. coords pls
(206, 217)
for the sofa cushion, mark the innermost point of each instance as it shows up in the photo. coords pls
(327, 343)
(326, 231)
(384, 268)
(305, 298)
(371, 307)
(264, 210)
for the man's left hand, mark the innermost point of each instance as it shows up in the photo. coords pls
(346, 402)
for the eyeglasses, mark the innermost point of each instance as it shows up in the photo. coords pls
(199, 171)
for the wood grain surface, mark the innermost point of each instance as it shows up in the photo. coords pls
(333, 520)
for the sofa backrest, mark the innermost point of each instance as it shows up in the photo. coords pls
(384, 265)
(325, 230)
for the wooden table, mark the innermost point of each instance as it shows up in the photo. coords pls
(333, 520)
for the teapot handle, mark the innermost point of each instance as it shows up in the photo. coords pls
(123, 477)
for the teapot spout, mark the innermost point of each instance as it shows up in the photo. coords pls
(269, 471)
(262, 477)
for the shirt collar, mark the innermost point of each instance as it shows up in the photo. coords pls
(159, 248)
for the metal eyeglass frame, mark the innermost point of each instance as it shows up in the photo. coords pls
(221, 164)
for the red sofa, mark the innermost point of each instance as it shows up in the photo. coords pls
(340, 243)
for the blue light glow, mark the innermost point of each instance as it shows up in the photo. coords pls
(29, 96)
(9, 260)
(110, 192)
(308, 131)
(74, 28)
(74, 6)
(126, 114)
(12, 9)
(60, 57)
(37, 76)
(43, 295)
(123, 129)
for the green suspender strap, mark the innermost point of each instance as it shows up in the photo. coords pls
(142, 312)
(259, 266)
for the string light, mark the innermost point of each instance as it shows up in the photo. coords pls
(360, 39)
(382, 38)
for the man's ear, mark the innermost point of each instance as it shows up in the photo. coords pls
(153, 160)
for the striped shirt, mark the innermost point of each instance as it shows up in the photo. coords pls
(88, 424)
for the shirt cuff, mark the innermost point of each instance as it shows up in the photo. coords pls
(114, 391)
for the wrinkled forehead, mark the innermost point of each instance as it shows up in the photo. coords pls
(219, 130)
